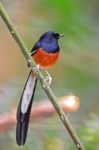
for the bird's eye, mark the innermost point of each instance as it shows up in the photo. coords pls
(56, 35)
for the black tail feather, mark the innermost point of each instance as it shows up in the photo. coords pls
(23, 117)
(21, 132)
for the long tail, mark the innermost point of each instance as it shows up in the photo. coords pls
(24, 109)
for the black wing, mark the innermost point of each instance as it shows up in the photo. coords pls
(35, 48)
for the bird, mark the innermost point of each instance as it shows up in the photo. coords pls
(45, 53)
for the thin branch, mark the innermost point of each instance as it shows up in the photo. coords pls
(45, 109)
(40, 76)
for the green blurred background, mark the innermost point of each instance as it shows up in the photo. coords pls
(76, 70)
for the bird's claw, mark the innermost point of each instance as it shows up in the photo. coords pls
(48, 79)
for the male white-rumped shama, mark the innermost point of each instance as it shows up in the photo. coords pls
(45, 53)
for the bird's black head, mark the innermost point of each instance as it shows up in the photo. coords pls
(49, 41)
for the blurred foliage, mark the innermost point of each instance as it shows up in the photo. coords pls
(76, 70)
(66, 16)
(89, 133)
(53, 144)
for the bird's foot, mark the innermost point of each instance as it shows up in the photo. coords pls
(48, 78)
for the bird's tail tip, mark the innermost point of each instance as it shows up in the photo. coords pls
(21, 133)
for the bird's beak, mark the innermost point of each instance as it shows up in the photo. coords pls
(61, 35)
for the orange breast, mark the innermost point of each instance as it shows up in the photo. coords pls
(44, 59)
